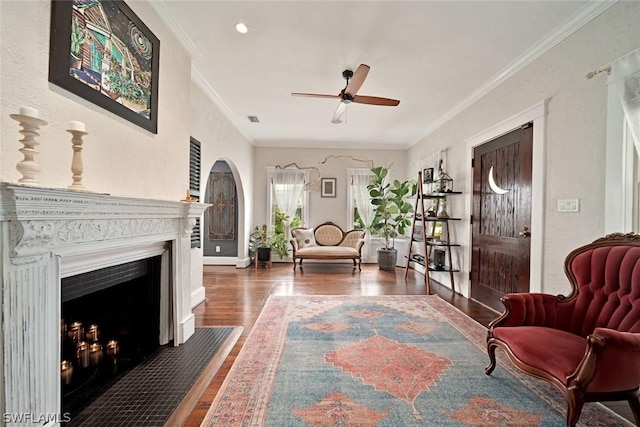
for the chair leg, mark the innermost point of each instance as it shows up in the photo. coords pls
(491, 351)
(634, 403)
(575, 402)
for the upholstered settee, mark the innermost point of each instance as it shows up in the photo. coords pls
(327, 241)
(586, 344)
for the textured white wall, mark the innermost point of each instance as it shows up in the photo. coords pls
(119, 157)
(220, 140)
(576, 128)
(321, 209)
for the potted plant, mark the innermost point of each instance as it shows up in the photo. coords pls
(392, 212)
(261, 242)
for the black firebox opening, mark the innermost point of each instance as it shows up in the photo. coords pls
(123, 304)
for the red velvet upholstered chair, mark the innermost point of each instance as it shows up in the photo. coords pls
(586, 344)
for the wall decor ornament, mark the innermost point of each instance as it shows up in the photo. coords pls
(101, 51)
(222, 192)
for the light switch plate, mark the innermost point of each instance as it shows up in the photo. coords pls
(569, 205)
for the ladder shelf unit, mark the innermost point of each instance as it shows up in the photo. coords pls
(431, 235)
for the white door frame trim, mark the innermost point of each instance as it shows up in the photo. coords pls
(536, 114)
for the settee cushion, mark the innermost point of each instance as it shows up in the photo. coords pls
(304, 237)
(328, 252)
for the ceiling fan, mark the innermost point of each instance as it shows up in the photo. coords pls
(349, 93)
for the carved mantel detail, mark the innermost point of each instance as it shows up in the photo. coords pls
(52, 232)
(43, 219)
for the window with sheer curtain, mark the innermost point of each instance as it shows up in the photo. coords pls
(622, 193)
(287, 197)
(359, 208)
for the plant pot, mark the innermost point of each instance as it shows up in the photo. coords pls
(387, 259)
(263, 254)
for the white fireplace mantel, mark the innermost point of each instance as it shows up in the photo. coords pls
(51, 233)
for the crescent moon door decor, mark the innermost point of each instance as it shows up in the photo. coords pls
(492, 183)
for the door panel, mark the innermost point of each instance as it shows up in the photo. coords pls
(501, 245)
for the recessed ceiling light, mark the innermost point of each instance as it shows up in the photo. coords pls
(241, 28)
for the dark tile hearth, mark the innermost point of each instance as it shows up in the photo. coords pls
(149, 393)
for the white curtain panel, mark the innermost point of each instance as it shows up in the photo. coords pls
(362, 178)
(625, 73)
(288, 188)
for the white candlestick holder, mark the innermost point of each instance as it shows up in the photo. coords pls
(76, 164)
(29, 166)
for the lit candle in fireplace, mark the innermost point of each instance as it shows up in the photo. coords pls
(93, 333)
(112, 350)
(95, 353)
(66, 371)
(83, 354)
(76, 331)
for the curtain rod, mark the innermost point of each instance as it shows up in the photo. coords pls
(605, 68)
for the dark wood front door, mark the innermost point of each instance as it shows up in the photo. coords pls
(501, 242)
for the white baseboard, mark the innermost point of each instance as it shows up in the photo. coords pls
(197, 296)
(219, 260)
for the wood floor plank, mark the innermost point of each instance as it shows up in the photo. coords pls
(235, 297)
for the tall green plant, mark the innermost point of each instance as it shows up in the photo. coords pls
(392, 210)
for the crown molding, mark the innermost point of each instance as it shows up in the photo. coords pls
(210, 92)
(570, 26)
(174, 26)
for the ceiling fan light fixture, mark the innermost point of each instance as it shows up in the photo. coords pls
(241, 27)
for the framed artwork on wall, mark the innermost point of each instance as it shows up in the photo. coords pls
(427, 175)
(328, 187)
(101, 51)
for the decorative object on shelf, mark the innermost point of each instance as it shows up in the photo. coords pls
(439, 259)
(188, 198)
(120, 77)
(444, 183)
(442, 209)
(31, 123)
(328, 187)
(77, 130)
(392, 213)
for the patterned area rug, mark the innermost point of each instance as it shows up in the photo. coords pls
(380, 361)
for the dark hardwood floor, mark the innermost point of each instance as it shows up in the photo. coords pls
(235, 297)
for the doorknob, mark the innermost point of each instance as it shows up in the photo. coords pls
(525, 232)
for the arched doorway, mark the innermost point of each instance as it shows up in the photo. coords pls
(220, 231)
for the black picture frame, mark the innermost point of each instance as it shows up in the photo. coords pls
(427, 175)
(106, 30)
(328, 187)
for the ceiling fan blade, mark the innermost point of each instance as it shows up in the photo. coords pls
(356, 81)
(315, 95)
(375, 100)
(337, 115)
